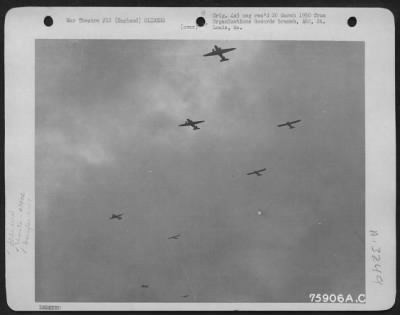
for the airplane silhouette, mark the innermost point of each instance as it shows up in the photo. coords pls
(144, 286)
(289, 124)
(218, 51)
(175, 237)
(185, 296)
(116, 216)
(191, 123)
(258, 173)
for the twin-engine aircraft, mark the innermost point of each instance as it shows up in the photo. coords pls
(117, 216)
(258, 173)
(191, 123)
(218, 51)
(290, 124)
(175, 237)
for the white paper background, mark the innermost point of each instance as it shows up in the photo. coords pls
(23, 25)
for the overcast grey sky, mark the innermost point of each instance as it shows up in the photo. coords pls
(107, 142)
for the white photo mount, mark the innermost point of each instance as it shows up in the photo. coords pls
(24, 29)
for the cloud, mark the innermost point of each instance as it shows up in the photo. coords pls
(107, 140)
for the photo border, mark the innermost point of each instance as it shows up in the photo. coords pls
(380, 125)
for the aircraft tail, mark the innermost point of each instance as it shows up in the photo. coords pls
(225, 59)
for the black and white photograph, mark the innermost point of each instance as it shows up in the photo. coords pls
(200, 171)
(166, 174)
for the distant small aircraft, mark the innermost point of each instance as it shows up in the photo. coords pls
(144, 286)
(218, 51)
(289, 124)
(185, 296)
(175, 237)
(191, 123)
(117, 216)
(258, 173)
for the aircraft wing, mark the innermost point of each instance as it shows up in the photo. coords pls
(223, 51)
(183, 125)
(198, 122)
(295, 121)
(282, 125)
(251, 173)
(174, 237)
(213, 53)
